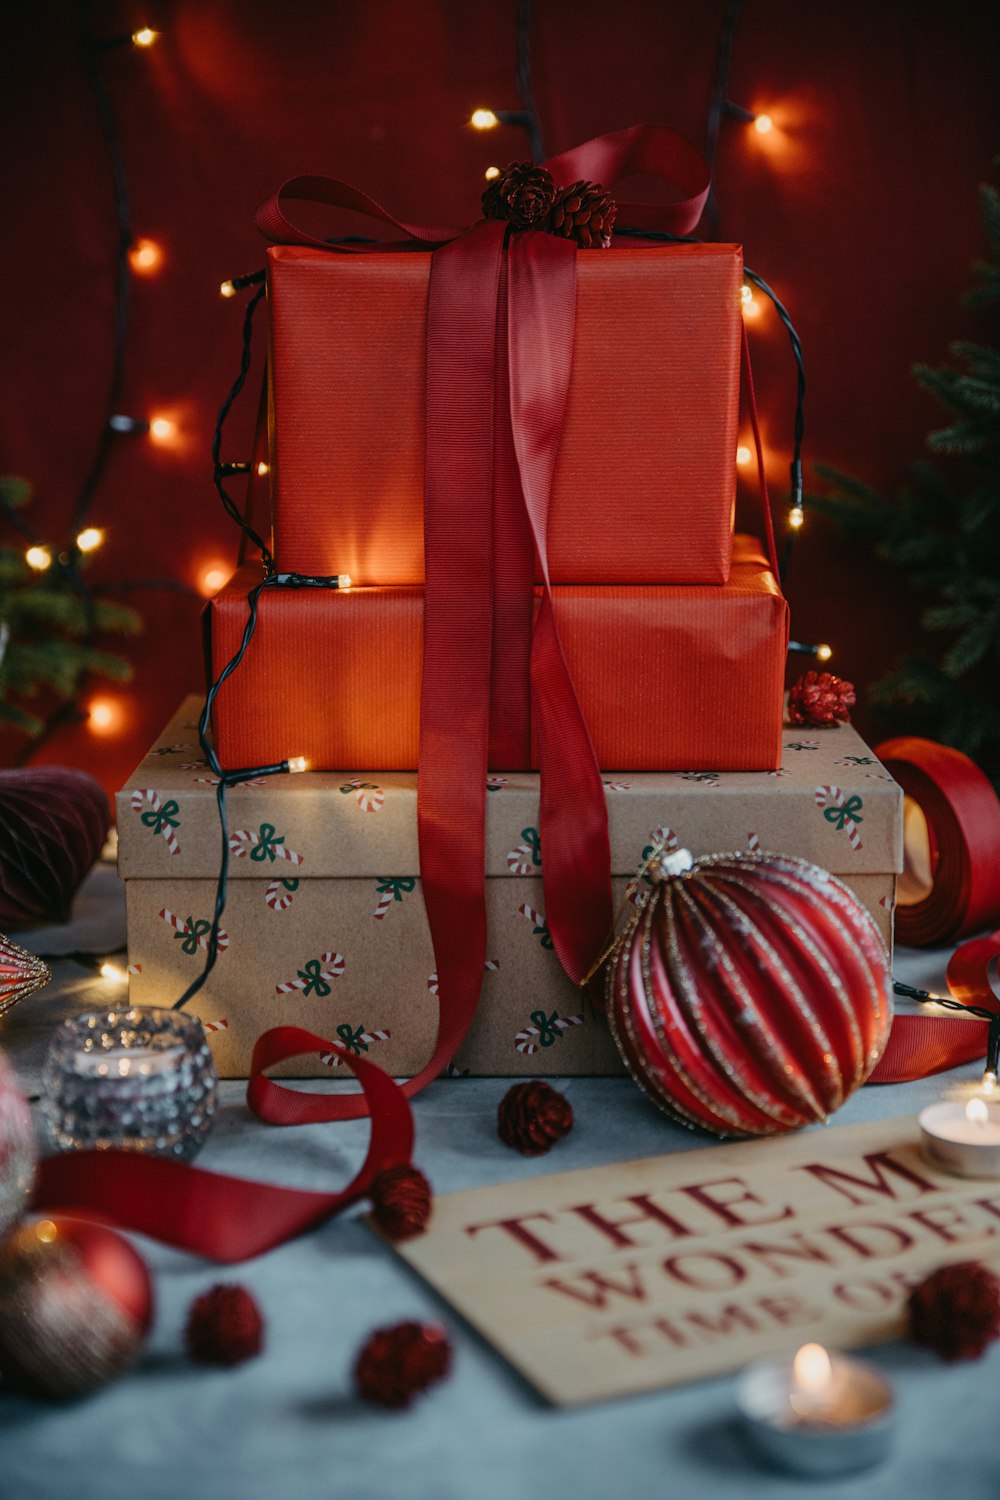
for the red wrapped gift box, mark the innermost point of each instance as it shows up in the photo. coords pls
(667, 677)
(645, 479)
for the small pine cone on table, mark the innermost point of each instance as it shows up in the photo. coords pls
(956, 1310)
(819, 700)
(396, 1364)
(523, 194)
(532, 1117)
(584, 212)
(401, 1201)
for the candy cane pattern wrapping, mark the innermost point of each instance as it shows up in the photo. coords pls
(369, 797)
(265, 844)
(161, 818)
(280, 894)
(527, 857)
(843, 812)
(315, 976)
(548, 1030)
(360, 1041)
(195, 934)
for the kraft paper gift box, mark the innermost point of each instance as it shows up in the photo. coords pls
(666, 676)
(644, 483)
(325, 926)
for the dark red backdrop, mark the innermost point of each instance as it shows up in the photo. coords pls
(859, 208)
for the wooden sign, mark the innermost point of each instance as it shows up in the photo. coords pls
(618, 1279)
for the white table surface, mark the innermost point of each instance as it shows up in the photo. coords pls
(286, 1426)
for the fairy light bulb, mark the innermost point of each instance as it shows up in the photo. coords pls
(113, 974)
(763, 124)
(743, 455)
(343, 581)
(796, 517)
(38, 558)
(162, 430)
(989, 1082)
(483, 119)
(746, 293)
(297, 764)
(145, 257)
(491, 174)
(104, 715)
(227, 289)
(145, 36)
(89, 539)
(213, 577)
(263, 469)
(824, 652)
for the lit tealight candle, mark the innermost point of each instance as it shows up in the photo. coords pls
(817, 1413)
(963, 1139)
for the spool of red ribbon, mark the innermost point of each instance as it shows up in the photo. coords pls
(950, 886)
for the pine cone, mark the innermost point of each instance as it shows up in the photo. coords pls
(396, 1364)
(522, 194)
(224, 1326)
(532, 1117)
(818, 700)
(956, 1310)
(401, 1201)
(585, 212)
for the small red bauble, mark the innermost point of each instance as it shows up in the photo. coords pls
(750, 993)
(224, 1326)
(401, 1201)
(533, 1116)
(397, 1363)
(75, 1304)
(818, 700)
(956, 1310)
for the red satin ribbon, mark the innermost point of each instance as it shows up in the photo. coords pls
(230, 1218)
(477, 580)
(963, 821)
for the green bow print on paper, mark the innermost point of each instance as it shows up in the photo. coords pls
(193, 930)
(267, 843)
(164, 817)
(315, 984)
(838, 816)
(290, 885)
(351, 1039)
(543, 933)
(547, 1030)
(533, 844)
(397, 884)
(858, 760)
(357, 786)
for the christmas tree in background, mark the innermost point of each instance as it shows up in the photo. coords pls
(942, 528)
(48, 622)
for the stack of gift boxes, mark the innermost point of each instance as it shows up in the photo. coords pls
(674, 629)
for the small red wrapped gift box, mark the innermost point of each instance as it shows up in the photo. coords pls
(668, 678)
(644, 483)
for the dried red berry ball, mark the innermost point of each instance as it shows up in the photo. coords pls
(532, 1117)
(820, 701)
(224, 1326)
(956, 1310)
(401, 1201)
(396, 1364)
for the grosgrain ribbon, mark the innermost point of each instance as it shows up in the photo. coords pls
(477, 554)
(963, 821)
(230, 1218)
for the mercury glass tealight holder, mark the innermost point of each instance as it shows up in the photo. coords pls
(130, 1080)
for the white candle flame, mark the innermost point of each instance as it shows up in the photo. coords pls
(812, 1370)
(978, 1111)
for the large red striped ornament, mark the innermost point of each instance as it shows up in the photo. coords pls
(749, 994)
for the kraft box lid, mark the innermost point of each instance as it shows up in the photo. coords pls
(831, 802)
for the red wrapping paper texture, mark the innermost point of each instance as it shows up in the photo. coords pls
(645, 480)
(669, 678)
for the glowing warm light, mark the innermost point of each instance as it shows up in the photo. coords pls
(38, 558)
(297, 763)
(227, 289)
(977, 1111)
(145, 36)
(796, 517)
(46, 1231)
(162, 430)
(484, 119)
(762, 124)
(113, 974)
(263, 469)
(746, 293)
(811, 1369)
(104, 715)
(989, 1082)
(343, 580)
(491, 174)
(823, 653)
(90, 538)
(145, 257)
(212, 578)
(743, 455)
